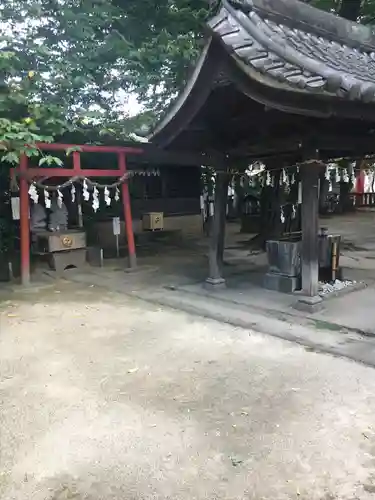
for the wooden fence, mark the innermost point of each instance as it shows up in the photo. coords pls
(362, 199)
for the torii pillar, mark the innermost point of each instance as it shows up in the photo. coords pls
(24, 223)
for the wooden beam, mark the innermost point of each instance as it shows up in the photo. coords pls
(88, 148)
(67, 172)
(176, 158)
(330, 147)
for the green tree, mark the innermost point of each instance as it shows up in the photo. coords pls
(64, 63)
(84, 52)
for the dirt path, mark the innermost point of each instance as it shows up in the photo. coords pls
(107, 398)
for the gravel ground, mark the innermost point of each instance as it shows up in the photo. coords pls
(105, 397)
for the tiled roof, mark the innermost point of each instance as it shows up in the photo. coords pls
(283, 55)
(293, 54)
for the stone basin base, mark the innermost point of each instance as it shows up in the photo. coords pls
(281, 283)
(284, 266)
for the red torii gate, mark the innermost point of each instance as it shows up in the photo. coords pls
(25, 173)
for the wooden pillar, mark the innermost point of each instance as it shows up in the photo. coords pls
(24, 223)
(223, 217)
(79, 208)
(127, 214)
(310, 301)
(215, 278)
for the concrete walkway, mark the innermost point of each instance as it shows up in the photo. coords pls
(226, 306)
(352, 311)
(314, 333)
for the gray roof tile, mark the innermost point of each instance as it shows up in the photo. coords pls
(299, 58)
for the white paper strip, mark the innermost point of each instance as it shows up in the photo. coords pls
(33, 193)
(107, 196)
(47, 199)
(73, 193)
(85, 192)
(95, 199)
(59, 198)
(282, 216)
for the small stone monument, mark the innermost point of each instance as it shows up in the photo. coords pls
(284, 260)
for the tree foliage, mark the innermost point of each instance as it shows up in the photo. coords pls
(65, 63)
(85, 52)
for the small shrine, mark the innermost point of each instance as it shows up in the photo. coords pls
(51, 235)
(286, 84)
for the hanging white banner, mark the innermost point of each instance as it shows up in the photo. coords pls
(116, 226)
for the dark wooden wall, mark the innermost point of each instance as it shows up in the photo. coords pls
(176, 191)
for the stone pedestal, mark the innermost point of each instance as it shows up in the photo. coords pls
(95, 256)
(280, 283)
(60, 261)
(214, 283)
(309, 304)
(65, 249)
